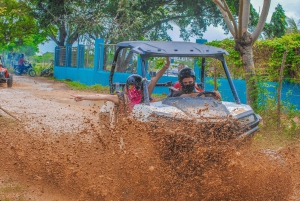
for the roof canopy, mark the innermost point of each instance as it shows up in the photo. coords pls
(172, 49)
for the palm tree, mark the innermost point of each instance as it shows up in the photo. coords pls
(293, 27)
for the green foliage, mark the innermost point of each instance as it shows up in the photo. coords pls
(211, 82)
(273, 50)
(233, 60)
(290, 119)
(116, 20)
(278, 25)
(267, 56)
(47, 57)
(18, 26)
(267, 108)
(293, 26)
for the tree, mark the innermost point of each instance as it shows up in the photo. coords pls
(118, 20)
(293, 27)
(278, 25)
(55, 17)
(244, 40)
(18, 26)
(147, 20)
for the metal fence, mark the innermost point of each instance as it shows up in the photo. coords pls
(109, 50)
(61, 51)
(89, 54)
(74, 56)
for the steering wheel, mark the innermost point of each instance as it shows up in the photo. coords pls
(208, 94)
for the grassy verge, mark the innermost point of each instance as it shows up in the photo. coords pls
(274, 136)
(99, 88)
(82, 87)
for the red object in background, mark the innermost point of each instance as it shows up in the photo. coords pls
(4, 70)
(178, 86)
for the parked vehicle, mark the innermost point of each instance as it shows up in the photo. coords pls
(5, 76)
(48, 71)
(27, 68)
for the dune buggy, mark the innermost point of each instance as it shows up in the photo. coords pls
(203, 110)
(5, 77)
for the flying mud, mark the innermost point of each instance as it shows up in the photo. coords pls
(61, 148)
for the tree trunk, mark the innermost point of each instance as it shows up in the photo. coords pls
(279, 88)
(244, 46)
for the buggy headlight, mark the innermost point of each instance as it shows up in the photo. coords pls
(247, 119)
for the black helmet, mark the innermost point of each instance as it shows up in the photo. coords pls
(135, 80)
(185, 73)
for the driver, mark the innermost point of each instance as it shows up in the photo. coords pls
(133, 91)
(188, 87)
(21, 63)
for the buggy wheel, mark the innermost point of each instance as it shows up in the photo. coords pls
(10, 81)
(32, 72)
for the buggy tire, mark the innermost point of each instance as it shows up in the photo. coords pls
(10, 81)
(32, 73)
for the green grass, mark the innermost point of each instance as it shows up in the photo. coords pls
(99, 88)
(82, 87)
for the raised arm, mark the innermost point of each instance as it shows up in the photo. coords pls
(158, 75)
(107, 97)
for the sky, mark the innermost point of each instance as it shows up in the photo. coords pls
(291, 8)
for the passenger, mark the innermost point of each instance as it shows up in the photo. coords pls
(133, 90)
(188, 87)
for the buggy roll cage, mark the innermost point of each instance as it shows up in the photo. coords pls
(148, 49)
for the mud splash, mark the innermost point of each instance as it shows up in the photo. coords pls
(136, 161)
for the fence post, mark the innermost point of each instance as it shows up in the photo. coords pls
(203, 62)
(56, 56)
(139, 67)
(80, 56)
(68, 55)
(99, 54)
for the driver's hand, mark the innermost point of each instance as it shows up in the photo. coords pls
(218, 95)
(77, 97)
(189, 95)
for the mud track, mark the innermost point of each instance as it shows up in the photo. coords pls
(60, 151)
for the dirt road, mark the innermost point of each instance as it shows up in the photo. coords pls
(42, 107)
(59, 151)
(42, 103)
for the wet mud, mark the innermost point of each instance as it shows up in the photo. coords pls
(89, 160)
